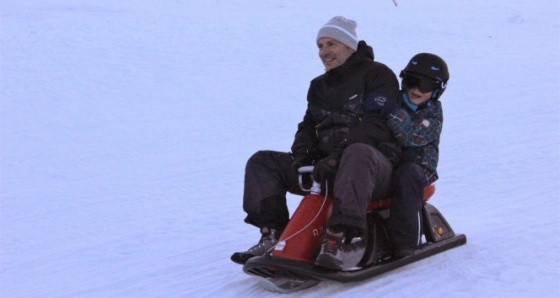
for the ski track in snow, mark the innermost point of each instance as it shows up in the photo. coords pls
(125, 128)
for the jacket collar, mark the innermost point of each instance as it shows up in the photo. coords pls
(363, 53)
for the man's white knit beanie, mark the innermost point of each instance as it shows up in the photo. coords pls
(341, 29)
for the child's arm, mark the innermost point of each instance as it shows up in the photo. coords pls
(418, 129)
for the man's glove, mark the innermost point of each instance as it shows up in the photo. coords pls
(326, 168)
(380, 104)
(300, 160)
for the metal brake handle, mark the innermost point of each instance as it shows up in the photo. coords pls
(316, 187)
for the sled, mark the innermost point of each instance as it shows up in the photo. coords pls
(289, 267)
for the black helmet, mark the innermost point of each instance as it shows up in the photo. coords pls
(428, 72)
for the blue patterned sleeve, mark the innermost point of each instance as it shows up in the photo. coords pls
(419, 128)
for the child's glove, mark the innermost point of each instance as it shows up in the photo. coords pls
(380, 104)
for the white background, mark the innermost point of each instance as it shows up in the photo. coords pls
(126, 125)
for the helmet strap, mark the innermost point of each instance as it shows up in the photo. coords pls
(435, 94)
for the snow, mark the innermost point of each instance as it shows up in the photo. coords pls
(126, 125)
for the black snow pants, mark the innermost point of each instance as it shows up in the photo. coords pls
(364, 174)
(268, 177)
(405, 221)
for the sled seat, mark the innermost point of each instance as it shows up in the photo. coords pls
(386, 203)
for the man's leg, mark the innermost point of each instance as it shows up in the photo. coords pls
(364, 174)
(268, 177)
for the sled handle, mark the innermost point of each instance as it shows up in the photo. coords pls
(316, 187)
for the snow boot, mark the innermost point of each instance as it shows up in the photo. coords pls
(331, 254)
(269, 238)
(339, 253)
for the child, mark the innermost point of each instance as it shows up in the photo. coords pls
(417, 127)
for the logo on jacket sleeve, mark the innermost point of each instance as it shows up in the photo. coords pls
(381, 100)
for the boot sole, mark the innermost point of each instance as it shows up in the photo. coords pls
(328, 261)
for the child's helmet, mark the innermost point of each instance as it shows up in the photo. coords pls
(428, 72)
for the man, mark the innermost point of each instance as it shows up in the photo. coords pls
(353, 152)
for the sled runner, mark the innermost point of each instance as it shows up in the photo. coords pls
(290, 266)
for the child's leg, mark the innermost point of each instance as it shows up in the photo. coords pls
(405, 222)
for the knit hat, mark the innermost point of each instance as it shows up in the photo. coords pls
(341, 29)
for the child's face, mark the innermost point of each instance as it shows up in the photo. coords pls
(417, 97)
(332, 52)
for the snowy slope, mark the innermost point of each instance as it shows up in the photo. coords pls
(125, 127)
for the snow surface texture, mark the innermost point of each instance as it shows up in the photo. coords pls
(126, 125)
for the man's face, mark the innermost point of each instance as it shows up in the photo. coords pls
(332, 52)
